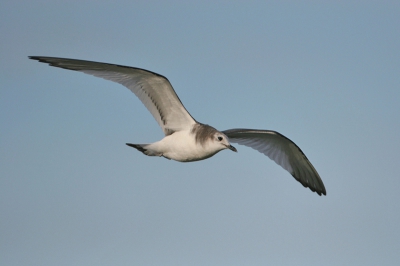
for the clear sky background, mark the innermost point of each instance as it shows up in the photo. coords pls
(326, 75)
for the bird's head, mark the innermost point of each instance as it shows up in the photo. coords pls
(222, 141)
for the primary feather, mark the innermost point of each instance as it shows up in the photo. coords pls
(281, 150)
(154, 90)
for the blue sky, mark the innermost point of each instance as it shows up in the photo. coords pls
(326, 75)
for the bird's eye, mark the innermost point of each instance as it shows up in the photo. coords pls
(220, 138)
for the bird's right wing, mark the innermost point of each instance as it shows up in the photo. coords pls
(281, 150)
(154, 90)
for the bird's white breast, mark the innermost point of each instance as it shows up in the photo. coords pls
(181, 146)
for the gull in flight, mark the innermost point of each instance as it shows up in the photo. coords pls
(187, 140)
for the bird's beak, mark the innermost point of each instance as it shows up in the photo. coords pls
(232, 148)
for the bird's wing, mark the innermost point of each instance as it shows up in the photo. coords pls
(281, 150)
(154, 90)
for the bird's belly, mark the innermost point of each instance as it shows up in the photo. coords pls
(182, 147)
(188, 155)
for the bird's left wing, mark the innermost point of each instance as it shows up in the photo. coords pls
(281, 150)
(154, 90)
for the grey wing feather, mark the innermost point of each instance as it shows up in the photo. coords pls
(281, 150)
(154, 90)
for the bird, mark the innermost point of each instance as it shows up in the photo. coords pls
(187, 140)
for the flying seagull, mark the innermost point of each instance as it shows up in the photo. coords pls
(187, 140)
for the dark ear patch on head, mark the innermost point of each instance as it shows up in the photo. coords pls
(203, 133)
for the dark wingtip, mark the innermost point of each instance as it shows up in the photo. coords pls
(38, 58)
(323, 192)
(320, 192)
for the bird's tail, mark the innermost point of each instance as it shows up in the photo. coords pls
(144, 148)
